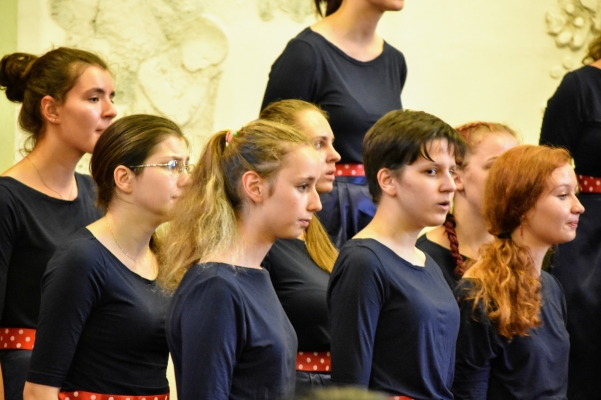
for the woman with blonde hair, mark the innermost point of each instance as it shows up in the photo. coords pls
(572, 120)
(454, 245)
(300, 268)
(227, 332)
(513, 342)
(66, 96)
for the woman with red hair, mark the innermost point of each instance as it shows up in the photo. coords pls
(513, 342)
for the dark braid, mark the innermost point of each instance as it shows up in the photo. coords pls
(449, 227)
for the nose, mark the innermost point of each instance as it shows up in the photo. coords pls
(110, 111)
(333, 155)
(447, 183)
(314, 203)
(577, 208)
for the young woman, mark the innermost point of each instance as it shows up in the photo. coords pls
(454, 245)
(227, 332)
(344, 66)
(393, 318)
(102, 322)
(67, 104)
(300, 268)
(572, 120)
(513, 342)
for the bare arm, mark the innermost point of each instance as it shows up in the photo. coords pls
(34, 391)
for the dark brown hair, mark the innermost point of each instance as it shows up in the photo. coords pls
(594, 51)
(127, 141)
(505, 280)
(331, 6)
(28, 78)
(399, 138)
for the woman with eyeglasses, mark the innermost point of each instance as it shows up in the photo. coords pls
(101, 330)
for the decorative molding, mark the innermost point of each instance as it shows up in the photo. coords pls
(166, 55)
(298, 10)
(573, 24)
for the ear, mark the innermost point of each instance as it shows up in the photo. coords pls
(387, 180)
(50, 109)
(124, 178)
(459, 179)
(254, 186)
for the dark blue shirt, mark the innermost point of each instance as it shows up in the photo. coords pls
(491, 367)
(354, 93)
(229, 336)
(393, 324)
(102, 326)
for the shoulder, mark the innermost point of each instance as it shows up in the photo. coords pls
(363, 256)
(551, 284)
(213, 280)
(85, 182)
(283, 253)
(393, 52)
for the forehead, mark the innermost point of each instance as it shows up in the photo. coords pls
(92, 77)
(313, 124)
(170, 145)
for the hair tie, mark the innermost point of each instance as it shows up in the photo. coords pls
(504, 235)
(229, 136)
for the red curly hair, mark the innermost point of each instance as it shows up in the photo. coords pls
(505, 279)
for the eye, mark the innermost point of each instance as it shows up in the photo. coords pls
(303, 187)
(431, 171)
(319, 145)
(94, 99)
(172, 166)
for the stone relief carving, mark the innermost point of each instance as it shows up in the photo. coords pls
(296, 9)
(166, 55)
(573, 24)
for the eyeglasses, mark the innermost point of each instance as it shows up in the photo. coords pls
(172, 166)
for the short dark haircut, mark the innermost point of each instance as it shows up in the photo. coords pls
(399, 138)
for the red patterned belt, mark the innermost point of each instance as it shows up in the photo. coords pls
(589, 184)
(17, 338)
(401, 398)
(81, 395)
(313, 361)
(350, 170)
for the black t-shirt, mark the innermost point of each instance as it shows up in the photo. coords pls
(491, 367)
(229, 336)
(443, 257)
(354, 93)
(32, 225)
(393, 324)
(573, 119)
(102, 326)
(301, 287)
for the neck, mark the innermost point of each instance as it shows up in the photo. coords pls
(471, 229)
(536, 249)
(355, 22)
(395, 230)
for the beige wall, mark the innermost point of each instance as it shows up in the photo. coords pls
(467, 59)
(8, 44)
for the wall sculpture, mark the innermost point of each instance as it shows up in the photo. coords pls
(573, 24)
(296, 9)
(166, 55)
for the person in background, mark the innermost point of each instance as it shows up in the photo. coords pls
(300, 268)
(66, 97)
(393, 318)
(454, 245)
(101, 330)
(228, 334)
(513, 342)
(572, 120)
(341, 64)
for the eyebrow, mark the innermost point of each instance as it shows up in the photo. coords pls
(100, 91)
(308, 178)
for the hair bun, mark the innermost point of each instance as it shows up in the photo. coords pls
(14, 71)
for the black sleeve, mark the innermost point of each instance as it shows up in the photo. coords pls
(207, 370)
(71, 287)
(474, 353)
(293, 75)
(9, 229)
(355, 298)
(562, 122)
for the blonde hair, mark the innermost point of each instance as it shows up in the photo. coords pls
(319, 246)
(205, 221)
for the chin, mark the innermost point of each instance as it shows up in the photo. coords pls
(324, 187)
